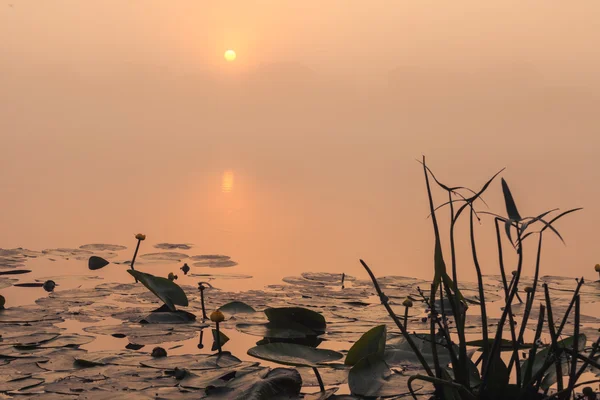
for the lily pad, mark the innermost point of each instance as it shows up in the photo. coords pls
(371, 377)
(102, 247)
(96, 262)
(173, 246)
(258, 385)
(294, 354)
(168, 291)
(167, 256)
(236, 307)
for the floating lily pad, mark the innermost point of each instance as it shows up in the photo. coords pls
(371, 377)
(236, 307)
(213, 261)
(96, 262)
(258, 385)
(294, 354)
(209, 277)
(15, 272)
(173, 246)
(167, 256)
(6, 282)
(194, 361)
(102, 247)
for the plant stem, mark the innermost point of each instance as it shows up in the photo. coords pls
(318, 375)
(201, 288)
(573, 374)
(218, 337)
(436, 361)
(135, 255)
(553, 337)
(484, 327)
(406, 317)
(384, 301)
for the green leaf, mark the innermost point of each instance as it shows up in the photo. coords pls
(540, 356)
(96, 262)
(236, 307)
(294, 354)
(371, 377)
(371, 342)
(511, 207)
(278, 383)
(168, 291)
(218, 337)
(310, 319)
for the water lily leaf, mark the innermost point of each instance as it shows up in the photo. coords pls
(276, 330)
(294, 354)
(194, 361)
(323, 395)
(22, 383)
(167, 256)
(216, 377)
(337, 374)
(277, 383)
(310, 319)
(166, 317)
(96, 262)
(398, 352)
(371, 342)
(219, 337)
(27, 314)
(173, 246)
(102, 247)
(371, 377)
(15, 272)
(168, 291)
(236, 307)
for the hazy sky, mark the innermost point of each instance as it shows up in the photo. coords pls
(119, 116)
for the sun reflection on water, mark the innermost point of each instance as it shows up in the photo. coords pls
(227, 182)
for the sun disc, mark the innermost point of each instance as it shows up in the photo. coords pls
(230, 55)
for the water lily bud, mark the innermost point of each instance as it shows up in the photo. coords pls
(49, 286)
(140, 236)
(597, 268)
(172, 276)
(514, 273)
(528, 289)
(159, 352)
(180, 373)
(2, 302)
(185, 269)
(407, 302)
(217, 316)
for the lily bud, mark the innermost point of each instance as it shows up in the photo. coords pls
(407, 302)
(217, 316)
(140, 236)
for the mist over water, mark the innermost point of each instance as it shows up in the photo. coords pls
(300, 155)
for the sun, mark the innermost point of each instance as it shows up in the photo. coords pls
(230, 55)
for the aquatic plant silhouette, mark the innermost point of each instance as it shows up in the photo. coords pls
(489, 377)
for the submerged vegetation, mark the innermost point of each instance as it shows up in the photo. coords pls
(506, 336)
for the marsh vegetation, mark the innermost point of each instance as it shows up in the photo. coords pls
(319, 335)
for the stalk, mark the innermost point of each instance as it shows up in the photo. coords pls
(384, 301)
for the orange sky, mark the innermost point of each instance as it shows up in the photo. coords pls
(117, 117)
